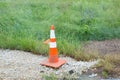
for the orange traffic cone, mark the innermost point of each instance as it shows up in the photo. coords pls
(53, 60)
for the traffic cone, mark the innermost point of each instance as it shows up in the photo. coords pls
(53, 60)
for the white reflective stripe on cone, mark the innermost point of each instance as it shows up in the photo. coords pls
(52, 34)
(53, 45)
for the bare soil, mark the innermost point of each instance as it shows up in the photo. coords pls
(102, 47)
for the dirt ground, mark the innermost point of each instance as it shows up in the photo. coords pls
(107, 47)
(103, 47)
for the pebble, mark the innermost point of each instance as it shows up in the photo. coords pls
(41, 71)
(71, 72)
(92, 75)
(25, 64)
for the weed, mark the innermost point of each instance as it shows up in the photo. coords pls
(51, 77)
(104, 74)
(109, 65)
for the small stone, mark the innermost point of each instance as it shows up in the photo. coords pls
(56, 73)
(67, 63)
(71, 72)
(41, 71)
(92, 75)
(84, 71)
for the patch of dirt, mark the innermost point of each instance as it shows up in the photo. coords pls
(102, 47)
(107, 47)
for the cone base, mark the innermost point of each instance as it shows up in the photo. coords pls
(53, 65)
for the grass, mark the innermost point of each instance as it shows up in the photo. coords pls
(25, 24)
(65, 76)
(51, 77)
(110, 65)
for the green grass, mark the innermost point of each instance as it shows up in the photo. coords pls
(25, 24)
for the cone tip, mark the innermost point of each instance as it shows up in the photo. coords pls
(52, 27)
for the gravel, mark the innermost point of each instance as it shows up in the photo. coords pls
(20, 65)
